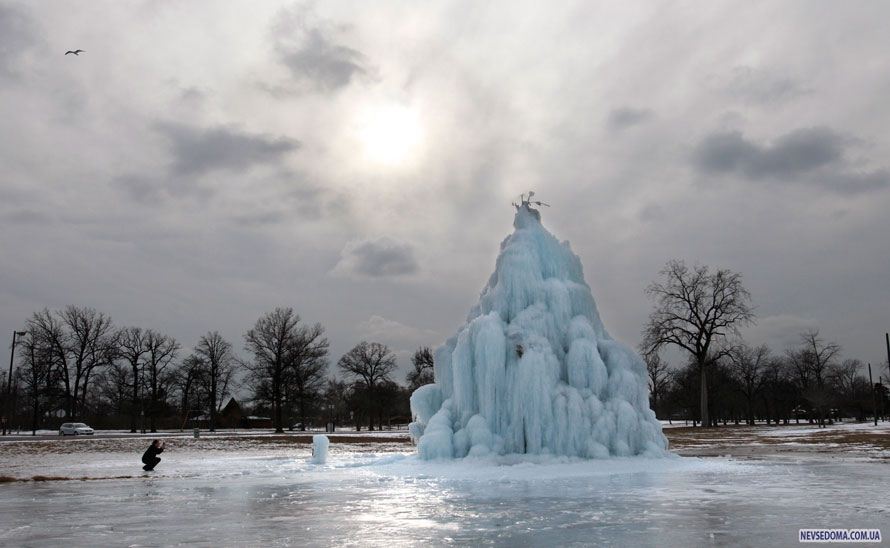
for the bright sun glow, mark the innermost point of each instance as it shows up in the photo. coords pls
(390, 135)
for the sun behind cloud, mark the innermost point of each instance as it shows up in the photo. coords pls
(391, 135)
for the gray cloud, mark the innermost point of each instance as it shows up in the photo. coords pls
(815, 155)
(286, 195)
(500, 113)
(757, 85)
(18, 36)
(779, 331)
(625, 117)
(863, 180)
(201, 150)
(314, 58)
(16, 194)
(316, 207)
(378, 258)
(152, 189)
(652, 213)
(794, 153)
(378, 328)
(328, 66)
(27, 216)
(142, 189)
(313, 202)
(260, 218)
(198, 151)
(192, 96)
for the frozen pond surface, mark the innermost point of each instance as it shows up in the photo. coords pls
(245, 497)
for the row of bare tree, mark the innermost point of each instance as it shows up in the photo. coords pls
(287, 374)
(701, 313)
(77, 357)
(752, 383)
(74, 364)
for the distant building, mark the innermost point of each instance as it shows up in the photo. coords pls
(233, 416)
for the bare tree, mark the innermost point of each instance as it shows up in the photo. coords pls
(306, 374)
(161, 350)
(748, 367)
(187, 378)
(697, 310)
(779, 392)
(270, 341)
(845, 376)
(811, 362)
(660, 376)
(287, 356)
(91, 345)
(36, 373)
(423, 369)
(48, 329)
(115, 385)
(336, 401)
(798, 361)
(81, 340)
(132, 349)
(820, 355)
(372, 364)
(217, 367)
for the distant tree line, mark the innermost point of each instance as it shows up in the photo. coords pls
(723, 378)
(74, 364)
(807, 382)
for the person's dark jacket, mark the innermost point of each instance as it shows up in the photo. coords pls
(151, 453)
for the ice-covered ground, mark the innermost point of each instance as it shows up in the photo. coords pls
(228, 492)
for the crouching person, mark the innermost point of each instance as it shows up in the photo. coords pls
(150, 457)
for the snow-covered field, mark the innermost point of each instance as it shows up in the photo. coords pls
(240, 491)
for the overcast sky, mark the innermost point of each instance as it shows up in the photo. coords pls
(204, 162)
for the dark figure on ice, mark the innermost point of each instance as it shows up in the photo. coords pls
(150, 457)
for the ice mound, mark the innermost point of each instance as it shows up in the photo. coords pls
(533, 370)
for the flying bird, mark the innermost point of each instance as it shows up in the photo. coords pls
(75, 52)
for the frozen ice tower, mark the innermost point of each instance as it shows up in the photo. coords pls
(533, 370)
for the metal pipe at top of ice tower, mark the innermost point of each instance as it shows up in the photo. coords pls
(525, 200)
(533, 370)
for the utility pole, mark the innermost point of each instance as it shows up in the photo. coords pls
(9, 408)
(142, 397)
(874, 392)
(881, 393)
(887, 340)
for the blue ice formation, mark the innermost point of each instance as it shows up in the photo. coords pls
(533, 370)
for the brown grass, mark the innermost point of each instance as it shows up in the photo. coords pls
(21, 449)
(763, 440)
(39, 478)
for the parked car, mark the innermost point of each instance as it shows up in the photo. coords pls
(74, 429)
